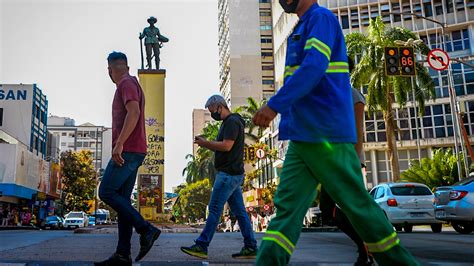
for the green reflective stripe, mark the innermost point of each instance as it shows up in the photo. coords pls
(318, 45)
(338, 67)
(280, 239)
(281, 244)
(290, 70)
(384, 244)
(276, 233)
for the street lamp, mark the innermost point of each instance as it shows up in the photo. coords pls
(452, 93)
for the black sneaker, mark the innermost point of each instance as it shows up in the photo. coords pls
(116, 259)
(146, 242)
(196, 251)
(246, 253)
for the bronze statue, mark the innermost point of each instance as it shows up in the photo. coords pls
(153, 42)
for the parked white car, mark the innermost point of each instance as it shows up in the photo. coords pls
(76, 220)
(407, 204)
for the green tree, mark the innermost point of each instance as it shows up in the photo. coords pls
(441, 170)
(247, 112)
(384, 91)
(192, 202)
(79, 180)
(201, 166)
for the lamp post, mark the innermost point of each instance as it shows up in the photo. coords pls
(452, 93)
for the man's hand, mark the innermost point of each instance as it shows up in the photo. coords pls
(117, 154)
(200, 141)
(264, 116)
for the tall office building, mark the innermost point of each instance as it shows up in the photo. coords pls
(435, 128)
(245, 50)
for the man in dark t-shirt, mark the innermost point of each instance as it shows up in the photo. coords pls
(229, 156)
(129, 150)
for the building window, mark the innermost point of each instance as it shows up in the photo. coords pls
(268, 68)
(345, 21)
(438, 5)
(449, 6)
(428, 8)
(64, 134)
(266, 27)
(264, 1)
(266, 40)
(265, 13)
(268, 82)
(264, 54)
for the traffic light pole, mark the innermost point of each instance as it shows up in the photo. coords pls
(418, 145)
(452, 93)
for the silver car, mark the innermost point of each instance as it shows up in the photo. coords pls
(407, 204)
(455, 204)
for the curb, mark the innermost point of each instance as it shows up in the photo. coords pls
(11, 228)
(115, 230)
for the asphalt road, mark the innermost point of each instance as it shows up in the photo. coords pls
(333, 248)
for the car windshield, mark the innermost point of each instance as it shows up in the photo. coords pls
(51, 219)
(75, 215)
(410, 190)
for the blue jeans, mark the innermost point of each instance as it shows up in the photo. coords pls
(115, 190)
(227, 188)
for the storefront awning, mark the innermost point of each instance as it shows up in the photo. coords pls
(14, 190)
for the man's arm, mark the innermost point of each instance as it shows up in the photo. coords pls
(131, 120)
(231, 131)
(317, 55)
(359, 119)
(224, 146)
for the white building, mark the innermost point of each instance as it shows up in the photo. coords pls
(97, 139)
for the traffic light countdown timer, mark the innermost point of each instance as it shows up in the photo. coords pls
(399, 61)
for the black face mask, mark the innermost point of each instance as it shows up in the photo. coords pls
(291, 8)
(216, 116)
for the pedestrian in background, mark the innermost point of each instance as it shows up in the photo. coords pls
(229, 163)
(129, 150)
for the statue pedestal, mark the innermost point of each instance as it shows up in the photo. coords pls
(151, 173)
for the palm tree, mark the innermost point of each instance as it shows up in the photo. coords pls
(201, 166)
(384, 91)
(190, 171)
(247, 112)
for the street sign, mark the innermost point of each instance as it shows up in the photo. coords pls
(266, 207)
(438, 59)
(260, 153)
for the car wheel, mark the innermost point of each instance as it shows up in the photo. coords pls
(436, 228)
(463, 228)
(398, 228)
(408, 228)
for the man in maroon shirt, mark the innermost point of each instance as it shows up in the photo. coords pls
(129, 151)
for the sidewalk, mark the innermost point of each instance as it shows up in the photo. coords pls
(18, 228)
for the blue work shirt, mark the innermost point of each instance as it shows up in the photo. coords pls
(315, 101)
